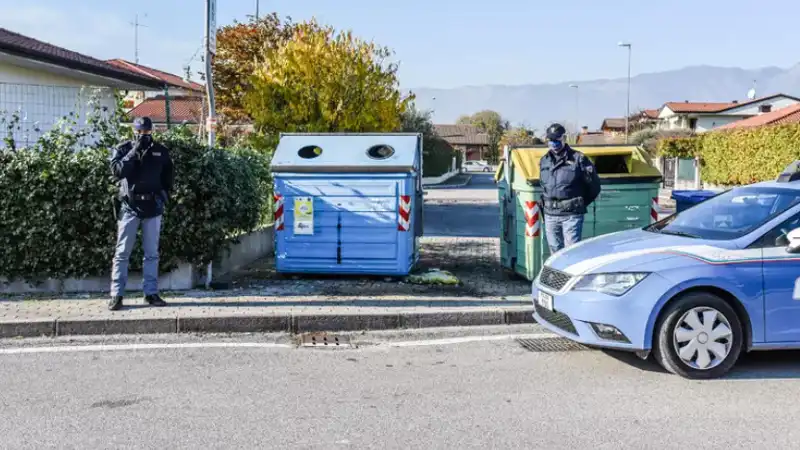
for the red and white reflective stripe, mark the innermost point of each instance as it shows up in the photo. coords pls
(654, 210)
(278, 212)
(404, 210)
(532, 222)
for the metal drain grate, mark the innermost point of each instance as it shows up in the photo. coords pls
(324, 340)
(554, 344)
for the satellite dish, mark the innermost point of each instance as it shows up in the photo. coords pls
(751, 94)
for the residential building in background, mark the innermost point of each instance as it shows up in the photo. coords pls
(467, 139)
(172, 85)
(783, 116)
(703, 116)
(613, 126)
(42, 83)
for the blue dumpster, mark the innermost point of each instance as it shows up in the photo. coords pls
(686, 199)
(348, 203)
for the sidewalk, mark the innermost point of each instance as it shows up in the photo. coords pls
(263, 301)
(457, 181)
(248, 311)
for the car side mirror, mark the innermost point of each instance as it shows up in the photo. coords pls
(794, 241)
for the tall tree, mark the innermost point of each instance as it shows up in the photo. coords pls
(240, 49)
(325, 81)
(491, 123)
(517, 137)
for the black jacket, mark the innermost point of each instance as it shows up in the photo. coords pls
(145, 175)
(569, 182)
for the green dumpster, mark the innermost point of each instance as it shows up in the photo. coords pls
(630, 183)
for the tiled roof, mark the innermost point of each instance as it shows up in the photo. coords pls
(613, 123)
(691, 107)
(789, 114)
(462, 134)
(599, 139)
(26, 47)
(651, 113)
(168, 78)
(182, 109)
(699, 107)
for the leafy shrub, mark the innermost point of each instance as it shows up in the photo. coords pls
(748, 155)
(679, 147)
(649, 138)
(737, 157)
(56, 211)
(437, 156)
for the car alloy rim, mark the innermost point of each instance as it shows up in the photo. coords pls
(702, 338)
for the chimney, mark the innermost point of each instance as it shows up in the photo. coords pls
(584, 130)
(735, 102)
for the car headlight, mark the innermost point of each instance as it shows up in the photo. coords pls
(615, 284)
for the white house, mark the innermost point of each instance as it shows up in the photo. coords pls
(41, 83)
(702, 116)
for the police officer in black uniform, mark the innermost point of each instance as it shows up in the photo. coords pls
(144, 171)
(570, 184)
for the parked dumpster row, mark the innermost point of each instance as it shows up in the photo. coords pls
(352, 203)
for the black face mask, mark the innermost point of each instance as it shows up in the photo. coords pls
(145, 138)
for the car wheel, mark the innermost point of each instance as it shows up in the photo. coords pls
(698, 337)
(486, 170)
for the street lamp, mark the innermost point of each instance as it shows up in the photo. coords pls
(628, 113)
(577, 110)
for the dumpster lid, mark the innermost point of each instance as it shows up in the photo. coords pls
(348, 152)
(611, 161)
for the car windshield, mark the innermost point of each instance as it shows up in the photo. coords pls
(729, 215)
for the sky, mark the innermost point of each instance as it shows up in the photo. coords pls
(450, 43)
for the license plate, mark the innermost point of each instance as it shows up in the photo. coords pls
(545, 300)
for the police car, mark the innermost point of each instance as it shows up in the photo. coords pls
(695, 290)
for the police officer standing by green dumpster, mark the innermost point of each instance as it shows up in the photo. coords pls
(569, 185)
(144, 171)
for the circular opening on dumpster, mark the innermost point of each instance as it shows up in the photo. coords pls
(380, 151)
(309, 152)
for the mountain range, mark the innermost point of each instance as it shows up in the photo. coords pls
(537, 105)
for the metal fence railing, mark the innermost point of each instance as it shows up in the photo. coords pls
(39, 108)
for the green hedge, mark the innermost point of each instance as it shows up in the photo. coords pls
(437, 156)
(56, 210)
(679, 147)
(738, 157)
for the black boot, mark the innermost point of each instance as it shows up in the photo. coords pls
(115, 304)
(154, 300)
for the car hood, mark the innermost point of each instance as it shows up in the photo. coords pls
(633, 249)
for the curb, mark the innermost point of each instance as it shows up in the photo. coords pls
(448, 186)
(291, 323)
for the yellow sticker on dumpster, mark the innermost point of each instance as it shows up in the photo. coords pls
(303, 215)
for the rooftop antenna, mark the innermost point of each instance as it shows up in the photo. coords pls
(751, 94)
(136, 26)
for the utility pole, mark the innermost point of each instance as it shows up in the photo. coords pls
(628, 114)
(257, 5)
(211, 50)
(577, 111)
(136, 26)
(211, 123)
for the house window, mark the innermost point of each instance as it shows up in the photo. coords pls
(693, 123)
(765, 108)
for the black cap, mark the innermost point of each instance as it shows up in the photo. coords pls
(555, 132)
(143, 124)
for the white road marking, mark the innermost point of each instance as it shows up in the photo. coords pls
(462, 340)
(201, 345)
(123, 347)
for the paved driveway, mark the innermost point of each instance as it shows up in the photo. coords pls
(471, 211)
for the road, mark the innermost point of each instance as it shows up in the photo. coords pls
(471, 211)
(492, 394)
